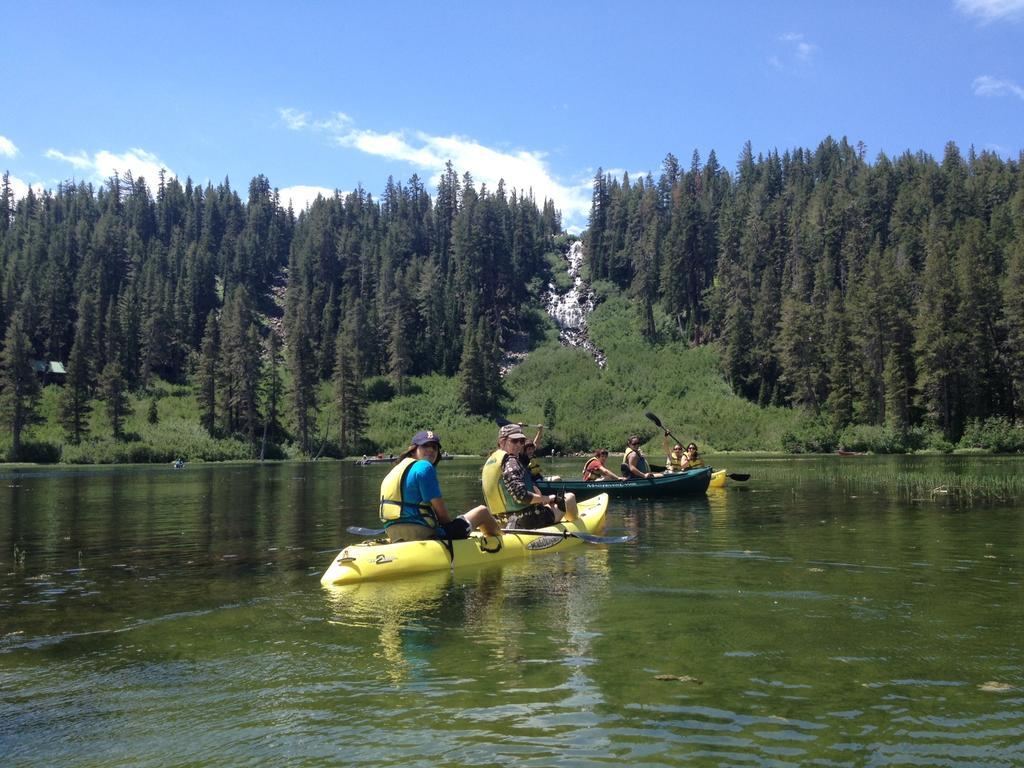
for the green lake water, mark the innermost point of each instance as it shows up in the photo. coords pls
(829, 611)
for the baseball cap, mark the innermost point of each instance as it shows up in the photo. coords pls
(511, 430)
(426, 436)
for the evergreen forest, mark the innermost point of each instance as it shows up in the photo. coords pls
(825, 291)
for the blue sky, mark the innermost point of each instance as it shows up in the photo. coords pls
(321, 96)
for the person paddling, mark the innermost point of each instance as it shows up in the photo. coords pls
(509, 490)
(675, 460)
(411, 505)
(529, 458)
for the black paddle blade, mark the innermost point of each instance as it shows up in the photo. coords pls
(739, 476)
(357, 531)
(654, 418)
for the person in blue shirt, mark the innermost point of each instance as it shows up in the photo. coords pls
(412, 506)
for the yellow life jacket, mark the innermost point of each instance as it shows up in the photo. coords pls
(696, 464)
(535, 471)
(392, 502)
(675, 460)
(499, 501)
(641, 463)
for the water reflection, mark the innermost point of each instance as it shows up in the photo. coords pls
(828, 621)
(493, 606)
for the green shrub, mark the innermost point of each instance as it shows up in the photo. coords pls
(933, 440)
(995, 434)
(881, 439)
(379, 389)
(37, 452)
(811, 437)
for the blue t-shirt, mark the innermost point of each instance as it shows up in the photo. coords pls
(420, 486)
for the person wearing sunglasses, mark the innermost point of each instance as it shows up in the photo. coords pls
(634, 463)
(693, 459)
(411, 505)
(675, 460)
(509, 491)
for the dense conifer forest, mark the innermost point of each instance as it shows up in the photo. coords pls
(887, 293)
(254, 306)
(877, 293)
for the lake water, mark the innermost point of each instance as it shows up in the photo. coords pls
(829, 611)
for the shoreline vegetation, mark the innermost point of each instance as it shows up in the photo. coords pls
(959, 479)
(590, 408)
(807, 302)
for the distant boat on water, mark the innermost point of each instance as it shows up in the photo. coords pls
(389, 459)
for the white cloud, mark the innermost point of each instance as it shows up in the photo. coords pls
(991, 10)
(101, 166)
(80, 161)
(522, 170)
(294, 119)
(301, 197)
(800, 48)
(339, 121)
(793, 54)
(20, 188)
(987, 85)
(7, 148)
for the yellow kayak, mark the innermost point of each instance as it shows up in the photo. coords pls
(717, 479)
(372, 560)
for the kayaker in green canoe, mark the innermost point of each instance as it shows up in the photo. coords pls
(595, 470)
(675, 460)
(634, 463)
(693, 459)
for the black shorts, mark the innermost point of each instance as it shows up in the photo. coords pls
(537, 516)
(458, 528)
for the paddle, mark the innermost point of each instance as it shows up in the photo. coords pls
(505, 422)
(587, 537)
(738, 476)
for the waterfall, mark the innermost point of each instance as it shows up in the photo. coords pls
(570, 310)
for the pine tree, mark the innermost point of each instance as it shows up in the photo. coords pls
(472, 378)
(348, 387)
(301, 361)
(19, 388)
(273, 388)
(1013, 340)
(115, 397)
(399, 347)
(839, 371)
(204, 386)
(75, 403)
(935, 346)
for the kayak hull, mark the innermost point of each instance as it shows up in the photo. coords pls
(717, 479)
(378, 560)
(674, 484)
